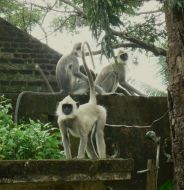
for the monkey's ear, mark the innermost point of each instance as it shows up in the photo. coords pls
(77, 104)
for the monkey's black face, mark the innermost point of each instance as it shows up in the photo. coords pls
(67, 109)
(124, 56)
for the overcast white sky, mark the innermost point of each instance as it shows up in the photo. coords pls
(63, 42)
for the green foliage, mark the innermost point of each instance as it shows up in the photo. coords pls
(102, 15)
(162, 71)
(147, 31)
(5, 117)
(178, 4)
(106, 45)
(33, 140)
(67, 23)
(168, 185)
(148, 89)
(19, 14)
(151, 91)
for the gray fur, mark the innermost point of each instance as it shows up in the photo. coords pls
(89, 118)
(113, 75)
(68, 75)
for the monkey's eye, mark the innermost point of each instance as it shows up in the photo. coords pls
(67, 108)
(124, 56)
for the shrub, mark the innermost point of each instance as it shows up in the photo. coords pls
(168, 185)
(33, 140)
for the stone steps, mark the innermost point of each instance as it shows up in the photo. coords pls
(24, 74)
(12, 86)
(63, 174)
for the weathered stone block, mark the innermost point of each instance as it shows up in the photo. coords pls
(63, 174)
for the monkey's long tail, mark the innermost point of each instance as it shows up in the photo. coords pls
(38, 68)
(19, 98)
(92, 98)
(91, 55)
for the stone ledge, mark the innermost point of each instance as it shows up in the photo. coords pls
(57, 171)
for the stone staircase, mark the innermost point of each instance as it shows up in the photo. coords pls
(19, 52)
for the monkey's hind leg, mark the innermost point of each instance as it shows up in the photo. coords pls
(82, 146)
(100, 142)
(66, 141)
(91, 150)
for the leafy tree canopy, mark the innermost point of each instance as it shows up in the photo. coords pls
(19, 14)
(112, 22)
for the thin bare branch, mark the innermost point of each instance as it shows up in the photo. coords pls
(149, 12)
(47, 11)
(161, 23)
(30, 18)
(76, 8)
(48, 7)
(45, 33)
(116, 46)
(55, 30)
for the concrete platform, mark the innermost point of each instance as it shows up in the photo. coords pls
(24, 171)
(62, 174)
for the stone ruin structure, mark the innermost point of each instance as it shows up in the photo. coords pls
(19, 52)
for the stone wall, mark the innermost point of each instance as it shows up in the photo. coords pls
(19, 52)
(128, 142)
(63, 174)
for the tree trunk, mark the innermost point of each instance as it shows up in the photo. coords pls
(175, 29)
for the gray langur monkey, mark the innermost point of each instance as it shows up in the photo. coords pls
(83, 121)
(114, 74)
(68, 75)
